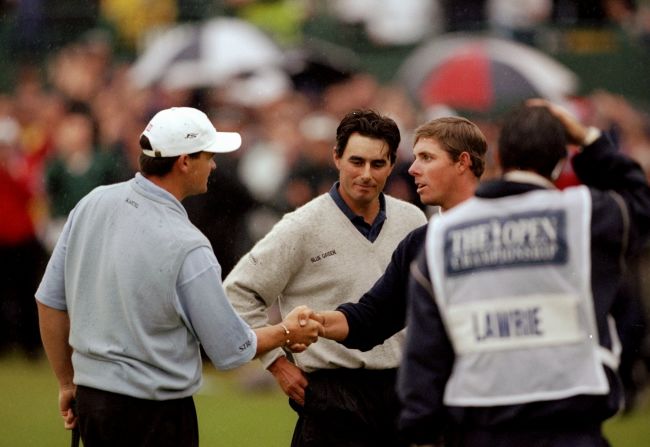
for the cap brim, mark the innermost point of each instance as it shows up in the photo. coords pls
(225, 142)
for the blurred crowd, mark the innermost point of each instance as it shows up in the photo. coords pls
(383, 22)
(74, 122)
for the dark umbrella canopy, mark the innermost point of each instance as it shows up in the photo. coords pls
(482, 75)
(316, 64)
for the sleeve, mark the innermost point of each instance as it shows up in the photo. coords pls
(227, 340)
(381, 312)
(51, 291)
(261, 276)
(616, 178)
(426, 364)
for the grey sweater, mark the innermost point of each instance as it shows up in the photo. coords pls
(115, 270)
(316, 257)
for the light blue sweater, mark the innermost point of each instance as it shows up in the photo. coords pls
(124, 247)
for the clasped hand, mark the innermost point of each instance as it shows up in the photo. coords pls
(304, 326)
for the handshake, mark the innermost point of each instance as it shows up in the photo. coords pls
(302, 327)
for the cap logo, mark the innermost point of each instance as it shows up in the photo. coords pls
(191, 135)
(149, 126)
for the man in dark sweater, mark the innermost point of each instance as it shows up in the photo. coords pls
(510, 337)
(449, 160)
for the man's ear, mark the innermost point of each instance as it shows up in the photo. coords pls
(336, 159)
(464, 161)
(183, 163)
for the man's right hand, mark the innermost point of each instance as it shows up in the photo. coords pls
(576, 132)
(66, 397)
(304, 328)
(290, 378)
(335, 324)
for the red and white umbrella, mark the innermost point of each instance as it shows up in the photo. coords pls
(482, 75)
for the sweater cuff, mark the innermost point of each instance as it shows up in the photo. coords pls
(270, 357)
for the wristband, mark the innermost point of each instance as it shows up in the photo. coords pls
(286, 333)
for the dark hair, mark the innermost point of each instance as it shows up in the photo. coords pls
(457, 135)
(368, 123)
(532, 139)
(156, 166)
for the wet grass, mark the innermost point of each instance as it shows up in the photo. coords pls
(239, 408)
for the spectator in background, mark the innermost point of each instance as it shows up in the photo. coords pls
(76, 167)
(358, 91)
(39, 113)
(630, 125)
(400, 183)
(312, 173)
(22, 256)
(221, 213)
(277, 143)
(80, 70)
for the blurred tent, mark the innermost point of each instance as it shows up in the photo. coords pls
(482, 76)
(206, 54)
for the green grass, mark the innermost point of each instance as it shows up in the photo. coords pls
(238, 408)
(230, 414)
(631, 430)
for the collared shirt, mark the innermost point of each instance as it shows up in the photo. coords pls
(369, 231)
(199, 311)
(528, 177)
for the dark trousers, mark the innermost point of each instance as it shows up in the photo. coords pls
(110, 419)
(348, 408)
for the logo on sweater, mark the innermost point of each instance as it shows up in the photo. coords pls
(323, 256)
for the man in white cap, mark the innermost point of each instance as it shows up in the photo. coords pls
(133, 289)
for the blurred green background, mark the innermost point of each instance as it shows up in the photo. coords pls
(239, 408)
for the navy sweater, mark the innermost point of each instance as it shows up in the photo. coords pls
(381, 312)
(429, 356)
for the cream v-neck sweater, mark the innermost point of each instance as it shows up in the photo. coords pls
(316, 257)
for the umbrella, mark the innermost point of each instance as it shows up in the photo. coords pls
(482, 75)
(316, 64)
(205, 54)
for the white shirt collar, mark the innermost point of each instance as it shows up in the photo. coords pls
(528, 177)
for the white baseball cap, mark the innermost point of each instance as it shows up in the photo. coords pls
(184, 130)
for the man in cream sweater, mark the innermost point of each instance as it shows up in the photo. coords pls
(337, 245)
